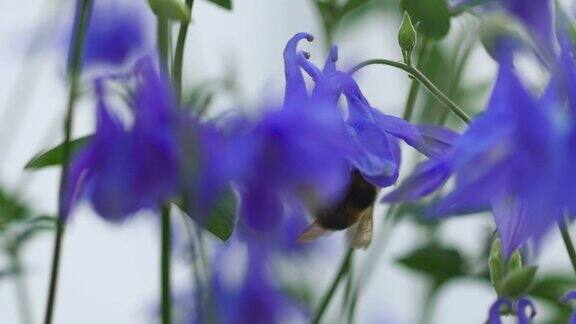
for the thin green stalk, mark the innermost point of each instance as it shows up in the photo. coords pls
(163, 35)
(74, 75)
(457, 74)
(415, 85)
(348, 290)
(325, 301)
(568, 243)
(423, 80)
(179, 53)
(428, 305)
(165, 267)
(327, 22)
(163, 45)
(21, 290)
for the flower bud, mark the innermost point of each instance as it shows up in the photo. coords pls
(170, 9)
(407, 34)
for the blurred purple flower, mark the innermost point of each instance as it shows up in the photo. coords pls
(514, 158)
(297, 159)
(520, 307)
(121, 170)
(297, 154)
(116, 32)
(255, 299)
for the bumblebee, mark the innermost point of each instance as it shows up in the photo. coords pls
(353, 212)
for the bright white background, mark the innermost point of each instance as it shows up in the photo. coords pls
(109, 273)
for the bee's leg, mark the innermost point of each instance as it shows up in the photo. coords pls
(313, 232)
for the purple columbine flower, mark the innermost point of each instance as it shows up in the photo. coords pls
(297, 158)
(126, 169)
(116, 32)
(523, 308)
(513, 159)
(297, 154)
(374, 136)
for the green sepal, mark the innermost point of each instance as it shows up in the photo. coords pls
(518, 282)
(515, 261)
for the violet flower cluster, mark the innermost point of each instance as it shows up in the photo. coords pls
(516, 159)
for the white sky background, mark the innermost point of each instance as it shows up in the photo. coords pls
(109, 273)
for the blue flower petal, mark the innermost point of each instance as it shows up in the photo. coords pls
(428, 177)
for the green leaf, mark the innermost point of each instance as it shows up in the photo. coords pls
(553, 286)
(171, 9)
(226, 4)
(439, 263)
(433, 16)
(54, 156)
(222, 218)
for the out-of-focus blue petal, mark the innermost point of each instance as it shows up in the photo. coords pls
(398, 127)
(289, 162)
(261, 210)
(438, 140)
(116, 32)
(538, 15)
(428, 177)
(472, 196)
(125, 170)
(511, 220)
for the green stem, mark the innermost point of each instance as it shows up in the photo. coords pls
(74, 74)
(415, 85)
(423, 80)
(165, 267)
(325, 301)
(162, 38)
(179, 53)
(568, 242)
(21, 290)
(428, 305)
(165, 293)
(348, 290)
(327, 21)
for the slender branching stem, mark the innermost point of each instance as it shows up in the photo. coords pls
(76, 59)
(325, 301)
(414, 72)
